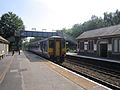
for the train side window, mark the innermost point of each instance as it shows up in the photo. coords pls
(45, 46)
(51, 43)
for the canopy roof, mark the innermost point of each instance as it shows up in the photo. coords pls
(3, 40)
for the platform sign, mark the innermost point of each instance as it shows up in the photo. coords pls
(95, 47)
(85, 45)
(85, 42)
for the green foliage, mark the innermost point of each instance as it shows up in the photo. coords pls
(72, 51)
(36, 39)
(112, 18)
(10, 27)
(94, 23)
(9, 24)
(24, 45)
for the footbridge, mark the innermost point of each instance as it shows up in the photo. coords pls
(39, 34)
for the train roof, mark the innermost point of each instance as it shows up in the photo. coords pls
(3, 40)
(38, 41)
(107, 31)
(55, 37)
(52, 37)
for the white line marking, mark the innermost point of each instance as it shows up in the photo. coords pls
(81, 76)
(23, 84)
(15, 70)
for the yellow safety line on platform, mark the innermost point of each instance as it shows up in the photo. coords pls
(2, 76)
(76, 79)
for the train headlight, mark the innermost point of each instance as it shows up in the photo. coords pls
(63, 54)
(50, 53)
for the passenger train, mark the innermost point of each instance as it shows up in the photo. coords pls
(53, 48)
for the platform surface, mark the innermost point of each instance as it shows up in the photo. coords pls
(95, 58)
(28, 71)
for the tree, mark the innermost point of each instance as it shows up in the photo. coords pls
(36, 39)
(9, 24)
(116, 18)
(112, 18)
(94, 23)
(108, 18)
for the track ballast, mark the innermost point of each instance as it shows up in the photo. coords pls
(104, 72)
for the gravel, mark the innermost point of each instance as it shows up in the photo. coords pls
(99, 75)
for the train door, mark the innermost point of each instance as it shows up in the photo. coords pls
(103, 50)
(57, 48)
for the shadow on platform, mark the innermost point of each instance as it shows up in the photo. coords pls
(34, 57)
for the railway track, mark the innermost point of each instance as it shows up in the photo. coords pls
(111, 72)
(85, 69)
(104, 75)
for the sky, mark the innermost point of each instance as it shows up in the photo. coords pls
(56, 14)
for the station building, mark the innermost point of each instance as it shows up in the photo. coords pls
(103, 42)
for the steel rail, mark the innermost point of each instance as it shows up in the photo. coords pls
(99, 69)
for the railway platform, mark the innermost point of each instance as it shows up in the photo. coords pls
(5, 65)
(28, 71)
(94, 58)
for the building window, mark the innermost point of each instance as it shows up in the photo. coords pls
(119, 46)
(86, 45)
(90, 45)
(81, 45)
(116, 45)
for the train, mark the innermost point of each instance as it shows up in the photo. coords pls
(53, 47)
(4, 47)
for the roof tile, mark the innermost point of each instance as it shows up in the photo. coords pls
(112, 30)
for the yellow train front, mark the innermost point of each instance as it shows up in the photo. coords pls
(57, 48)
(53, 47)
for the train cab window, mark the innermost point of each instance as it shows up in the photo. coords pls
(45, 46)
(51, 43)
(63, 43)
